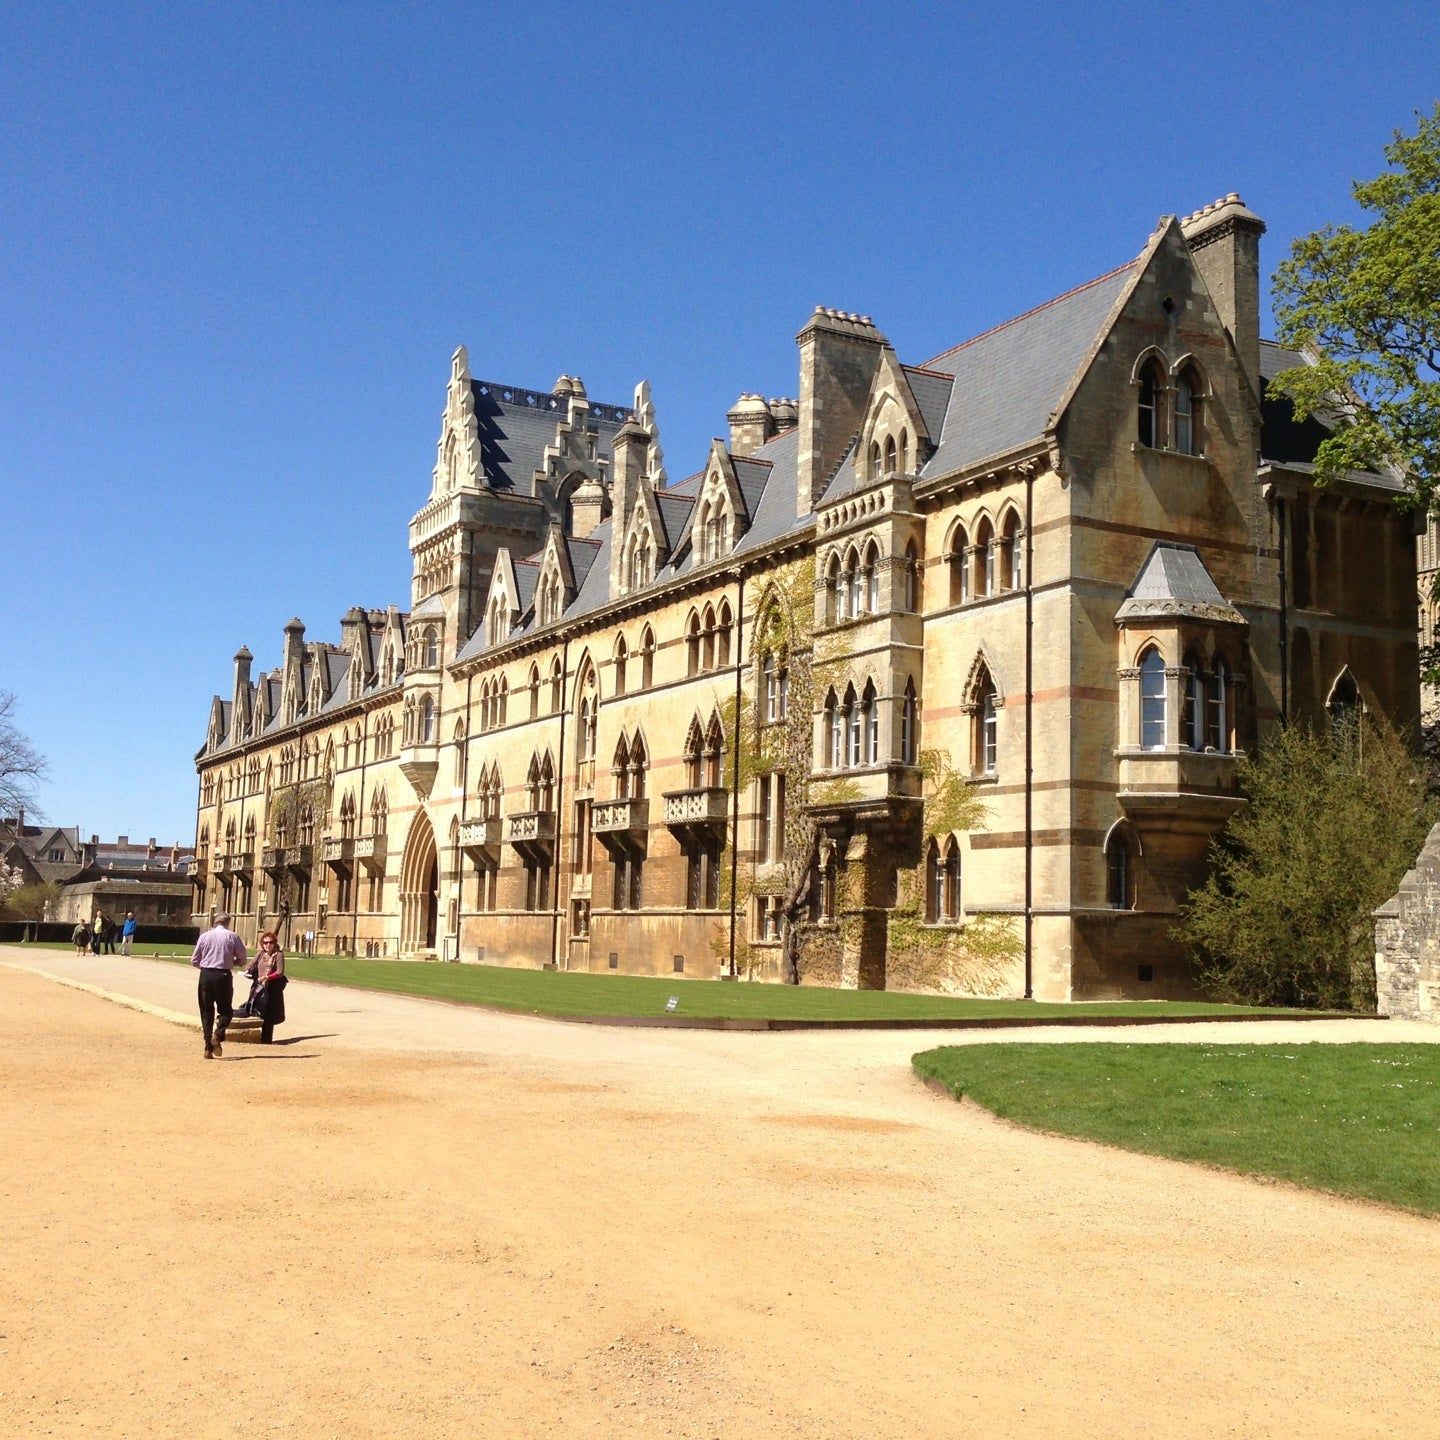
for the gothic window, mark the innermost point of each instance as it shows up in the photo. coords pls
(692, 644)
(1149, 414)
(497, 621)
(557, 686)
(985, 558)
(639, 762)
(694, 755)
(722, 636)
(985, 737)
(934, 883)
(854, 724)
(854, 586)
(957, 562)
(834, 732)
(504, 696)
(622, 654)
(775, 687)
(534, 688)
(875, 471)
(639, 562)
(836, 592)
(620, 767)
(379, 813)
(707, 640)
(909, 727)
(1343, 706)
(1152, 700)
(430, 648)
(870, 725)
(1189, 413)
(890, 455)
(907, 596)
(1119, 870)
(585, 749)
(950, 893)
(714, 753)
(427, 721)
(870, 576)
(1218, 728)
(1012, 553)
(647, 658)
(1192, 721)
(904, 452)
(714, 530)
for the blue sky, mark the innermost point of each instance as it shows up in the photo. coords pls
(238, 245)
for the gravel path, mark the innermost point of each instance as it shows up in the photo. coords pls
(416, 1219)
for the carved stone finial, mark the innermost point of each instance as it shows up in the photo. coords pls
(460, 365)
(645, 418)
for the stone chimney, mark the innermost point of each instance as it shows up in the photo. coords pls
(1224, 237)
(630, 448)
(587, 507)
(839, 353)
(784, 412)
(295, 643)
(751, 424)
(150, 849)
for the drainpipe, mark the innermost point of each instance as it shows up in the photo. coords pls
(560, 810)
(194, 910)
(1284, 618)
(735, 768)
(1029, 732)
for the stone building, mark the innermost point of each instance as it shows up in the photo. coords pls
(933, 677)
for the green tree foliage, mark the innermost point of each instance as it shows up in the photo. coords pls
(31, 902)
(1333, 821)
(1365, 305)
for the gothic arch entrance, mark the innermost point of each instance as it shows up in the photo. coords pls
(419, 889)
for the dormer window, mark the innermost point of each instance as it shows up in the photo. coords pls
(714, 531)
(640, 561)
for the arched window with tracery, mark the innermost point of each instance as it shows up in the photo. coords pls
(985, 558)
(889, 454)
(620, 769)
(714, 752)
(834, 732)
(854, 725)
(909, 726)
(427, 721)
(693, 642)
(647, 658)
(985, 726)
(1120, 869)
(707, 639)
(723, 626)
(854, 585)
(557, 686)
(639, 763)
(957, 562)
(837, 593)
(622, 655)
(1192, 720)
(869, 725)
(1152, 700)
(950, 899)
(533, 686)
(1012, 552)
(1149, 412)
(908, 580)
(870, 578)
(694, 755)
(1189, 412)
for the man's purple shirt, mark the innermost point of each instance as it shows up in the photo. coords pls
(218, 949)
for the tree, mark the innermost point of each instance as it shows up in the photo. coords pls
(21, 767)
(1364, 305)
(32, 902)
(1334, 819)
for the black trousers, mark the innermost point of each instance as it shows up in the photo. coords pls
(217, 995)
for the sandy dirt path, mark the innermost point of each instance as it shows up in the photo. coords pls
(533, 1229)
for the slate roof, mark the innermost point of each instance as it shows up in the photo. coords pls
(1174, 581)
(517, 425)
(932, 391)
(1009, 380)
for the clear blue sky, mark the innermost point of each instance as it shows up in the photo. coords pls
(238, 244)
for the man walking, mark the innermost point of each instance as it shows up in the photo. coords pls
(127, 932)
(216, 952)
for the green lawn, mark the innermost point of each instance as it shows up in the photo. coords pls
(549, 992)
(1360, 1120)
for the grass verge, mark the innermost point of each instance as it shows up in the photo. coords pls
(550, 992)
(1358, 1120)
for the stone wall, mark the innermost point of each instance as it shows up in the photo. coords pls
(1407, 941)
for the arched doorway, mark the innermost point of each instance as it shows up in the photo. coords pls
(419, 889)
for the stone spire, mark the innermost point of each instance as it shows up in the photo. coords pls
(645, 418)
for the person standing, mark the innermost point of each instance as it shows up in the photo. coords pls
(127, 933)
(270, 977)
(80, 937)
(108, 937)
(97, 932)
(217, 951)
